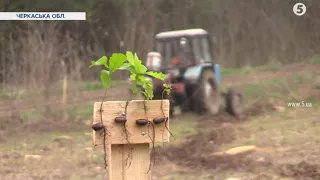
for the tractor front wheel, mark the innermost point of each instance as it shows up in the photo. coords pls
(208, 94)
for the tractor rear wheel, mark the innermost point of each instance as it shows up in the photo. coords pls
(234, 102)
(208, 94)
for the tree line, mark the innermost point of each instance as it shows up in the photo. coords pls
(247, 33)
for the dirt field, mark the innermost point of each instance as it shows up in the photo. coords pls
(283, 141)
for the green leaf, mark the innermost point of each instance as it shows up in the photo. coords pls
(116, 61)
(133, 77)
(134, 88)
(140, 80)
(143, 93)
(167, 86)
(139, 67)
(130, 57)
(105, 79)
(136, 60)
(125, 66)
(168, 91)
(157, 75)
(132, 69)
(102, 61)
(148, 88)
(136, 63)
(128, 67)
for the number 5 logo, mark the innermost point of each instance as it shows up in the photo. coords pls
(299, 9)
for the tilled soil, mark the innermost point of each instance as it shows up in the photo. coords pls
(303, 170)
(197, 151)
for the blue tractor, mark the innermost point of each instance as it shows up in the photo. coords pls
(187, 59)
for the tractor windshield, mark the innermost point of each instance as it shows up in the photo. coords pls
(174, 52)
(201, 50)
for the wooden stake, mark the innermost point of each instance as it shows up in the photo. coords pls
(65, 83)
(137, 143)
(64, 89)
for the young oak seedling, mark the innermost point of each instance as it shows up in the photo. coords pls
(138, 74)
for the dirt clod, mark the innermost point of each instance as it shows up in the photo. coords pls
(302, 170)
